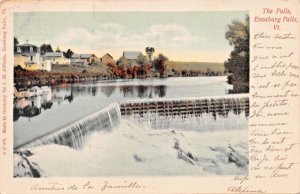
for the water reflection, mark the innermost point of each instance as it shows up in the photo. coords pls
(142, 91)
(160, 91)
(108, 90)
(126, 90)
(31, 104)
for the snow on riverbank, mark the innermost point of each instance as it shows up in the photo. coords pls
(134, 150)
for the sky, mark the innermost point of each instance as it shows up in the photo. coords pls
(181, 36)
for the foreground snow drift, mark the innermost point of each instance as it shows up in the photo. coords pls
(135, 150)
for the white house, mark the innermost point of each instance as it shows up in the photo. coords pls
(56, 58)
(28, 57)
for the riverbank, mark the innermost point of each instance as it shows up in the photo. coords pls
(26, 79)
(69, 74)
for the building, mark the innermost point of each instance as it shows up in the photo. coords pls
(90, 58)
(132, 55)
(28, 57)
(77, 61)
(107, 59)
(45, 65)
(56, 58)
(83, 59)
(130, 58)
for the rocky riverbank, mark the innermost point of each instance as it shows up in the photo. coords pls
(23, 167)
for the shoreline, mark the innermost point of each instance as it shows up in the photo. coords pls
(27, 79)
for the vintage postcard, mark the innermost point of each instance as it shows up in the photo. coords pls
(150, 96)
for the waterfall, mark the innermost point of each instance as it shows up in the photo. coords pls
(197, 114)
(73, 134)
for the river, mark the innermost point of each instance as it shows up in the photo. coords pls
(64, 104)
(80, 130)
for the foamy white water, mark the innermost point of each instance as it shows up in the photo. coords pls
(132, 149)
(205, 122)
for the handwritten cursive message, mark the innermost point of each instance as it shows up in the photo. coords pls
(102, 186)
(274, 98)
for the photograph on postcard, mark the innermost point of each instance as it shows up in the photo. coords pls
(131, 93)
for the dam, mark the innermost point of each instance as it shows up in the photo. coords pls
(197, 114)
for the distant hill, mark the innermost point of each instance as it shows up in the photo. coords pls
(196, 66)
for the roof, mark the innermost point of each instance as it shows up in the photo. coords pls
(132, 54)
(86, 56)
(28, 54)
(75, 56)
(82, 56)
(27, 44)
(53, 54)
(107, 55)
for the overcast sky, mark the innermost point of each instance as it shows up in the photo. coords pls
(182, 36)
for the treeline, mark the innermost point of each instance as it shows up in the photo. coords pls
(144, 67)
(131, 72)
(238, 63)
(195, 73)
(26, 79)
(140, 68)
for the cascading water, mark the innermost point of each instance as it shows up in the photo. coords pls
(198, 136)
(73, 135)
(196, 114)
(205, 122)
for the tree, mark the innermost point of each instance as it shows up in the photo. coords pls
(123, 71)
(160, 64)
(68, 54)
(16, 42)
(141, 60)
(57, 50)
(122, 61)
(238, 63)
(149, 51)
(46, 48)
